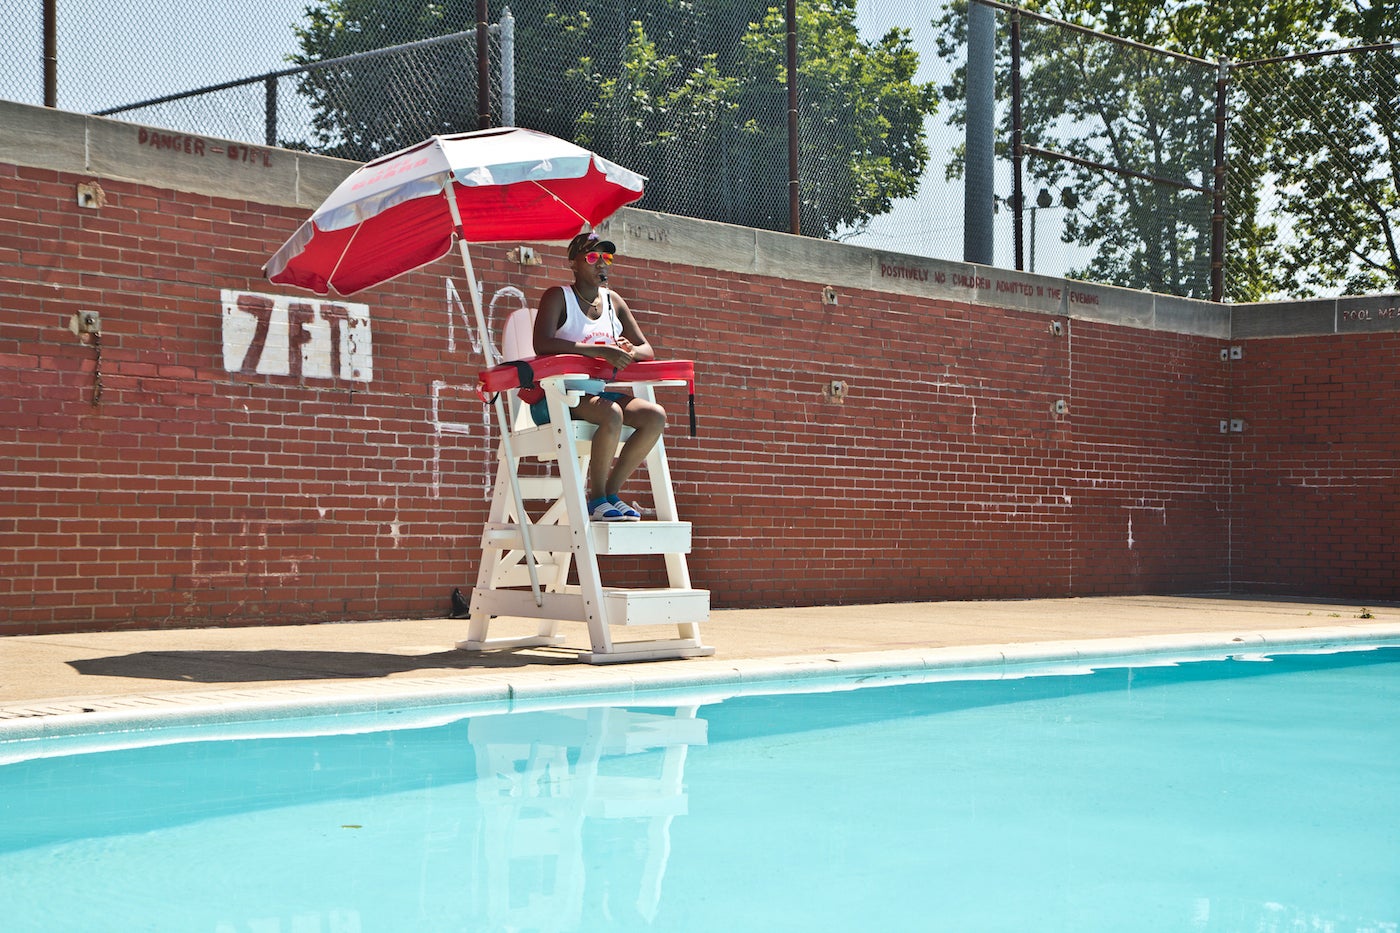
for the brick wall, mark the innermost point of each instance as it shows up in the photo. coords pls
(190, 495)
(1316, 480)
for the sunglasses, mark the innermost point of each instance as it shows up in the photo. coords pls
(593, 258)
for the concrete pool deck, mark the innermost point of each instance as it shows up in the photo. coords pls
(49, 682)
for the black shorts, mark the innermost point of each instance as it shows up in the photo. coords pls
(539, 411)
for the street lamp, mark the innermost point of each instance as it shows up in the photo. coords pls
(1045, 199)
(1041, 200)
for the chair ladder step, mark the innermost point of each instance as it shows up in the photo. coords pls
(607, 537)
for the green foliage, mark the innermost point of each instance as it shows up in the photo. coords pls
(1338, 179)
(861, 113)
(1152, 114)
(1139, 111)
(691, 93)
(372, 107)
(1337, 162)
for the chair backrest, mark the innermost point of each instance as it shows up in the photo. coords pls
(518, 343)
(518, 339)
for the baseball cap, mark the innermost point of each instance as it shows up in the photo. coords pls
(589, 243)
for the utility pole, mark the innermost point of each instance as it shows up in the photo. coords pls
(979, 197)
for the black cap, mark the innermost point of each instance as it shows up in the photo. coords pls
(589, 243)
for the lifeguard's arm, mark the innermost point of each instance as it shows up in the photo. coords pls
(547, 322)
(641, 350)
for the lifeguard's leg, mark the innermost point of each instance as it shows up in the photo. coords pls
(647, 421)
(607, 417)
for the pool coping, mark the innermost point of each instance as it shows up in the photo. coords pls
(706, 680)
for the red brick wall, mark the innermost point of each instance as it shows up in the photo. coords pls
(1149, 472)
(193, 496)
(1316, 485)
(946, 473)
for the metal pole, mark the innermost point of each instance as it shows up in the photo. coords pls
(50, 53)
(483, 68)
(1121, 172)
(270, 111)
(1086, 31)
(1017, 152)
(1032, 249)
(1217, 205)
(507, 68)
(979, 191)
(794, 199)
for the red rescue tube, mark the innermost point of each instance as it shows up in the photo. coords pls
(507, 375)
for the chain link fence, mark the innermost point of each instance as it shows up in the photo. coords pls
(1313, 191)
(1118, 167)
(692, 95)
(1282, 174)
(1118, 144)
(358, 107)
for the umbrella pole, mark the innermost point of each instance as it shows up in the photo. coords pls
(476, 293)
(501, 416)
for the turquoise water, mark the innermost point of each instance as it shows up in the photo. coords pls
(1239, 795)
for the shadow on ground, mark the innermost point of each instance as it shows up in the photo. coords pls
(237, 667)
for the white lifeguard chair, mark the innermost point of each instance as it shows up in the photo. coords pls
(526, 562)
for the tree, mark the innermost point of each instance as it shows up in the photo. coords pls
(861, 114)
(691, 93)
(367, 108)
(1151, 114)
(1336, 161)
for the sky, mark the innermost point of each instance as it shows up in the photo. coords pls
(119, 53)
(112, 54)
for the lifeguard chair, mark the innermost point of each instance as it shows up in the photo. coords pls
(526, 562)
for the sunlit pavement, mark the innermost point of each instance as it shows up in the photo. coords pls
(63, 675)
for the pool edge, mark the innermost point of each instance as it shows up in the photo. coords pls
(499, 692)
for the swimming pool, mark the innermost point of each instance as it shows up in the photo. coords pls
(1251, 793)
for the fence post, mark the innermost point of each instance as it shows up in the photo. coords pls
(1017, 152)
(1217, 208)
(794, 191)
(270, 110)
(507, 68)
(50, 53)
(483, 68)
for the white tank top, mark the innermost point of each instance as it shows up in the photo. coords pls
(580, 328)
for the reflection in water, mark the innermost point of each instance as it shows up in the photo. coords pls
(412, 821)
(545, 780)
(1200, 797)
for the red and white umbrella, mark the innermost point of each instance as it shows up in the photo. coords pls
(405, 210)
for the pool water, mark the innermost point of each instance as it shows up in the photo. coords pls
(1244, 794)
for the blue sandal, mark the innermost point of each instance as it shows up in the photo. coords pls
(629, 514)
(602, 510)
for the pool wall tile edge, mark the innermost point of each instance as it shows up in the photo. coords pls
(137, 719)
